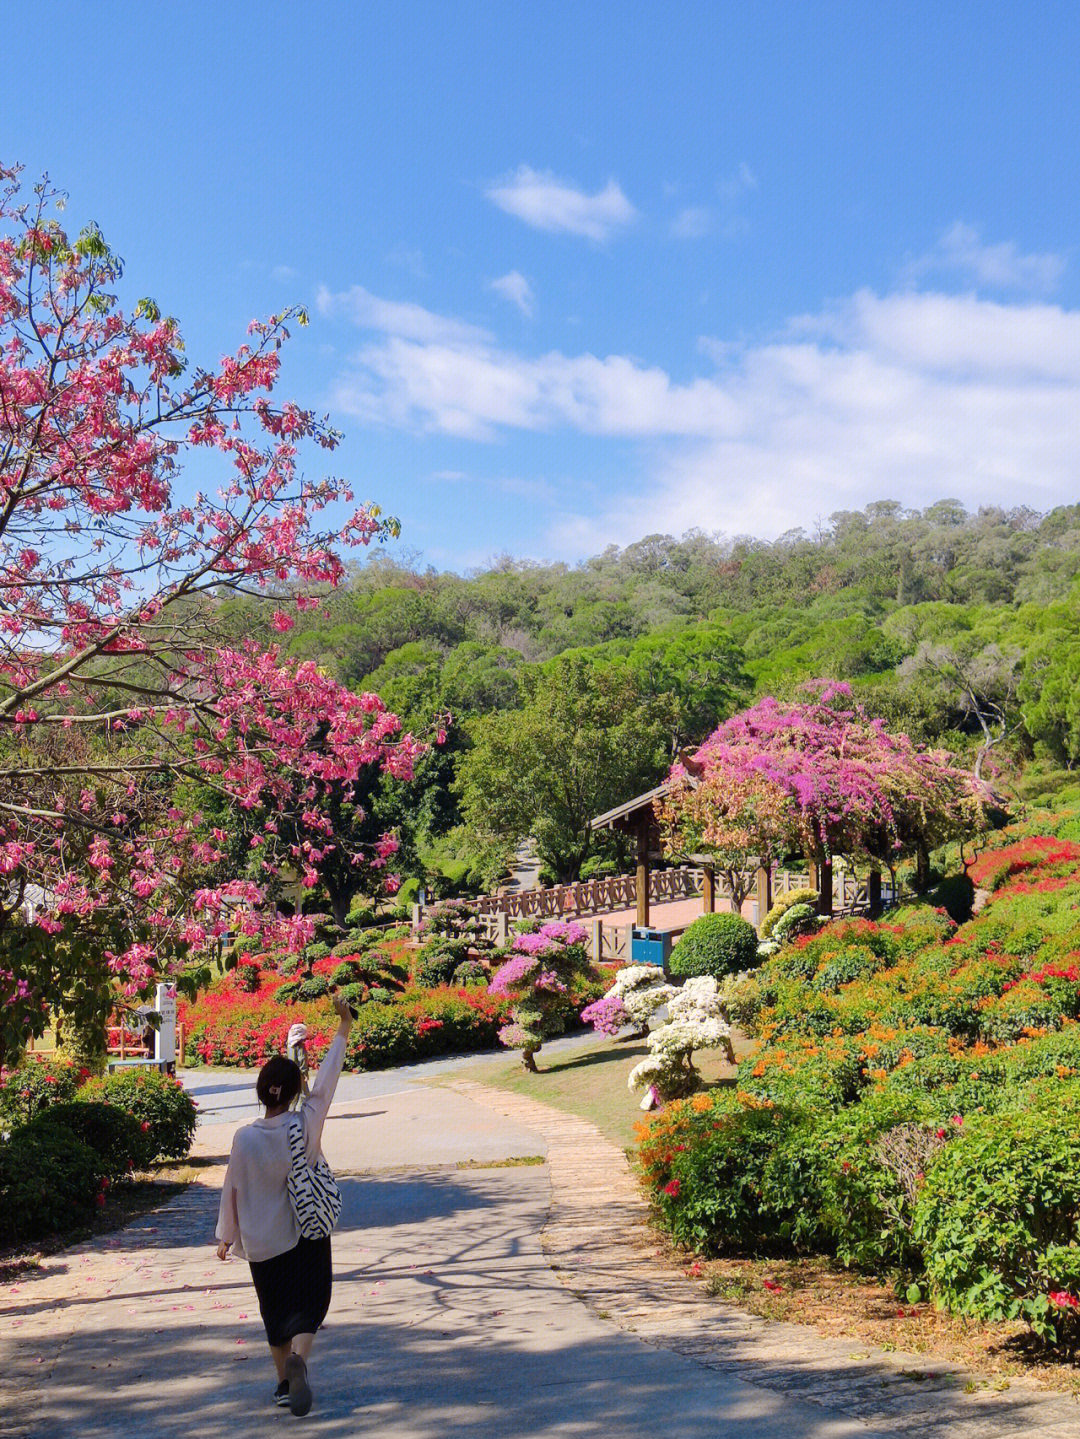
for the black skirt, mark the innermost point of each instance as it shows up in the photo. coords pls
(294, 1289)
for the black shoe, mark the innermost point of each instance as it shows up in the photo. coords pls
(299, 1388)
(281, 1395)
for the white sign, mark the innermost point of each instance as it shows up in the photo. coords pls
(165, 1039)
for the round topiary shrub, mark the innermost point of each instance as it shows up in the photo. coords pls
(247, 976)
(160, 1100)
(716, 944)
(347, 973)
(49, 1181)
(120, 1141)
(349, 946)
(314, 952)
(783, 903)
(289, 965)
(438, 959)
(470, 971)
(313, 987)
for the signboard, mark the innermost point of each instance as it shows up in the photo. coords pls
(165, 1038)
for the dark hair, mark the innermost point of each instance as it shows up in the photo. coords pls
(278, 1082)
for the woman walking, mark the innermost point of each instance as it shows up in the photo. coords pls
(257, 1219)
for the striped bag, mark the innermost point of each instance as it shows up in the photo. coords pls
(316, 1199)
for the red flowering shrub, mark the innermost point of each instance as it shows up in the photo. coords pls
(40, 1080)
(991, 869)
(243, 1022)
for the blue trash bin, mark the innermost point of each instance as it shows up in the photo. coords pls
(650, 946)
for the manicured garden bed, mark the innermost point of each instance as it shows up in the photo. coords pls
(244, 1017)
(912, 1109)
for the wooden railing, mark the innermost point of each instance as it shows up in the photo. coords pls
(590, 900)
(592, 896)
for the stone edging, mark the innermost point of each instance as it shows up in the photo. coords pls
(597, 1238)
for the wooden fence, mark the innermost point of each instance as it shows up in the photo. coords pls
(590, 900)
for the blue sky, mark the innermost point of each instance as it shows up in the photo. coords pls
(584, 271)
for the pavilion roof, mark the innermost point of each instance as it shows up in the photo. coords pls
(623, 815)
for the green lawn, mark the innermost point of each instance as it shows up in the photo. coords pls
(591, 1082)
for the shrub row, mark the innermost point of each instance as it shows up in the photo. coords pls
(913, 1106)
(66, 1142)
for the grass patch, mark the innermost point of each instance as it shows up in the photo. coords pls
(591, 1082)
(515, 1162)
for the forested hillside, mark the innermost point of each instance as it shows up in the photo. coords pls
(960, 628)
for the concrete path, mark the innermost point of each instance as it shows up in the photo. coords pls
(449, 1319)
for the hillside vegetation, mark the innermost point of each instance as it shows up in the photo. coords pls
(961, 629)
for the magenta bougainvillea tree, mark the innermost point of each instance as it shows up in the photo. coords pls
(537, 975)
(820, 776)
(113, 565)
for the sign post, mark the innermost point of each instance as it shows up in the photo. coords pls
(165, 1036)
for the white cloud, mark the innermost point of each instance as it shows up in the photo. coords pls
(736, 185)
(693, 223)
(396, 317)
(907, 395)
(409, 258)
(515, 288)
(548, 203)
(961, 252)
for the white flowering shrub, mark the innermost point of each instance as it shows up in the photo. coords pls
(697, 1020)
(638, 992)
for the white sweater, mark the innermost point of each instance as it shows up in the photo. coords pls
(256, 1216)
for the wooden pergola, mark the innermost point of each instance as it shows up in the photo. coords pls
(637, 817)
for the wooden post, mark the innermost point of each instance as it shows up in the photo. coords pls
(502, 928)
(642, 892)
(708, 890)
(764, 892)
(597, 940)
(821, 880)
(873, 892)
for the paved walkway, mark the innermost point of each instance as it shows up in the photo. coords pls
(449, 1319)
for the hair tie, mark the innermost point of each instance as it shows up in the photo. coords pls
(275, 1090)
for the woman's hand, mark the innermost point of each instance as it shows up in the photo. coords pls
(223, 1249)
(342, 1010)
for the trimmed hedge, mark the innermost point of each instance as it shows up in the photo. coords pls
(157, 1100)
(121, 1142)
(715, 944)
(49, 1181)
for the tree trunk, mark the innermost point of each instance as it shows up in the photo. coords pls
(922, 869)
(339, 905)
(84, 1042)
(528, 1061)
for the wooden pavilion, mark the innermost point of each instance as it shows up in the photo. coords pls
(637, 817)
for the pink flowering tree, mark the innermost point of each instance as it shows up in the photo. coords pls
(537, 976)
(113, 684)
(820, 776)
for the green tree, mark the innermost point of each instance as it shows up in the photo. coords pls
(585, 739)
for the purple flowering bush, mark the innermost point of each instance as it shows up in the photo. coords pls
(537, 976)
